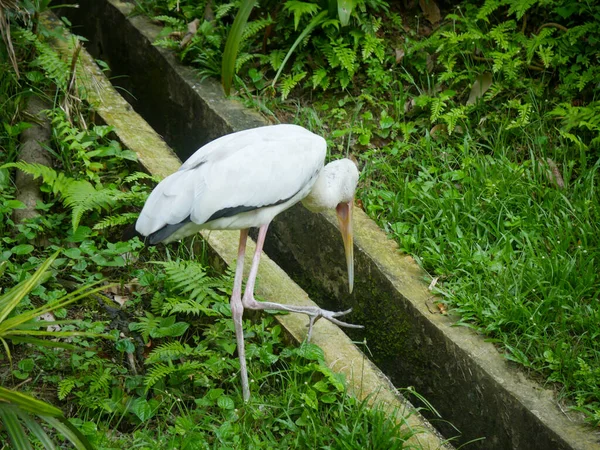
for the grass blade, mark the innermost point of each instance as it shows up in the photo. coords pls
(36, 429)
(10, 299)
(233, 44)
(27, 403)
(317, 20)
(345, 8)
(66, 300)
(67, 429)
(14, 429)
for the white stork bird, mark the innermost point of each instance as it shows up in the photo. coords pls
(244, 180)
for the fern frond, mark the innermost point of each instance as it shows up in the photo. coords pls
(168, 352)
(299, 9)
(276, 59)
(171, 351)
(48, 175)
(346, 56)
(156, 303)
(157, 373)
(161, 371)
(173, 21)
(136, 176)
(222, 10)
(501, 33)
(520, 7)
(48, 60)
(115, 221)
(451, 117)
(289, 82)
(437, 108)
(81, 196)
(65, 386)
(179, 305)
(145, 325)
(320, 78)
(488, 8)
(101, 381)
(255, 26)
(243, 58)
(372, 45)
(190, 277)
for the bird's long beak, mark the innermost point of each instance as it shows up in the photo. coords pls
(344, 215)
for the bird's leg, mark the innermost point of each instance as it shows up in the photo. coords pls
(237, 311)
(314, 312)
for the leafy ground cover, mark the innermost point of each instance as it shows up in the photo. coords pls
(477, 130)
(149, 363)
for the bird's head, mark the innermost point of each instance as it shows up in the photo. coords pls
(334, 189)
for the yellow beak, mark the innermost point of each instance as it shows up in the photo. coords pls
(344, 215)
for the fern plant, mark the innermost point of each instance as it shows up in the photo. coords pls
(346, 30)
(82, 196)
(47, 59)
(185, 289)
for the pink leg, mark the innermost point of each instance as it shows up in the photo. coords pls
(314, 313)
(237, 312)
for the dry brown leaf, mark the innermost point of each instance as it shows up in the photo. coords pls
(192, 30)
(442, 308)
(120, 294)
(438, 129)
(120, 299)
(50, 317)
(193, 26)
(409, 105)
(209, 14)
(176, 35)
(430, 62)
(555, 174)
(481, 85)
(399, 54)
(433, 283)
(431, 11)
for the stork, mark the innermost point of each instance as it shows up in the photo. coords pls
(244, 180)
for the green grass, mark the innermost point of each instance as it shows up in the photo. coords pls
(516, 256)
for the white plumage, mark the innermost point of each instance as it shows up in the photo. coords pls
(244, 180)
(275, 165)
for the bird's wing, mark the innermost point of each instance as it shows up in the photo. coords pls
(239, 172)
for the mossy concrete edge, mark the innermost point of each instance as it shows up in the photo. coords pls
(364, 379)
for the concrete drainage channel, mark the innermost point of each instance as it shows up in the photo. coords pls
(474, 389)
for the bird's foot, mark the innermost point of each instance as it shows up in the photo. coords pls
(329, 315)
